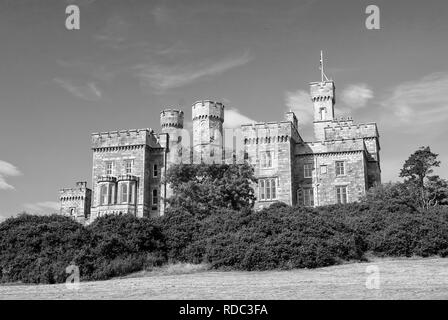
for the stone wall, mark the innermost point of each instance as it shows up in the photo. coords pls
(76, 202)
(139, 146)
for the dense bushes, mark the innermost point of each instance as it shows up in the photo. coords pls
(285, 237)
(39, 248)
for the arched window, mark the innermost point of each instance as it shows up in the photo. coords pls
(323, 113)
(124, 193)
(103, 195)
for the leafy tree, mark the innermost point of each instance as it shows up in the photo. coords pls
(437, 190)
(204, 187)
(417, 169)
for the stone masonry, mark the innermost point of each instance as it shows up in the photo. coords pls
(129, 166)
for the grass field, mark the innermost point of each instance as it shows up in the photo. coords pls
(399, 279)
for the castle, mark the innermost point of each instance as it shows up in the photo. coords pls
(128, 166)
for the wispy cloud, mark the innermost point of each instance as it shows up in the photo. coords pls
(114, 32)
(46, 207)
(233, 118)
(356, 96)
(88, 91)
(7, 170)
(420, 102)
(300, 103)
(163, 77)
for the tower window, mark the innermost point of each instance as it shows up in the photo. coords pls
(323, 169)
(155, 171)
(308, 170)
(155, 197)
(111, 199)
(268, 189)
(323, 113)
(103, 195)
(341, 194)
(109, 168)
(340, 168)
(124, 193)
(308, 197)
(129, 164)
(131, 192)
(266, 159)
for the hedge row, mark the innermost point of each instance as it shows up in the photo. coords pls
(37, 249)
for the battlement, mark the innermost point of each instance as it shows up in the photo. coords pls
(208, 109)
(348, 130)
(80, 192)
(127, 177)
(322, 91)
(336, 146)
(133, 137)
(107, 179)
(281, 131)
(172, 118)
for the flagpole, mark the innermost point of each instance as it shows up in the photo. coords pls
(321, 67)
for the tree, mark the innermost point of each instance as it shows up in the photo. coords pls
(417, 169)
(202, 187)
(437, 190)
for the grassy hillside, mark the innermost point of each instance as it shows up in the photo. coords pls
(407, 278)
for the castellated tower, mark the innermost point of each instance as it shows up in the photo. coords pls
(323, 97)
(208, 118)
(76, 202)
(172, 124)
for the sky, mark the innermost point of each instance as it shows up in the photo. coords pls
(131, 59)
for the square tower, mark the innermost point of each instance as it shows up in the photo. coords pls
(75, 202)
(126, 173)
(323, 97)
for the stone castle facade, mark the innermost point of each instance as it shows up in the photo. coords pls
(128, 166)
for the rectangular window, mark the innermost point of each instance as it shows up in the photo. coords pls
(268, 189)
(155, 198)
(266, 159)
(308, 197)
(124, 193)
(323, 169)
(111, 192)
(308, 170)
(131, 192)
(109, 168)
(340, 168)
(155, 171)
(103, 195)
(129, 164)
(341, 194)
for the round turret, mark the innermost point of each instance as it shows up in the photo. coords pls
(171, 118)
(206, 109)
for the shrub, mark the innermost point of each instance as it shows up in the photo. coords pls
(37, 249)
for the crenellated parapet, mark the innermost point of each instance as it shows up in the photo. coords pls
(124, 138)
(330, 147)
(322, 91)
(76, 202)
(269, 132)
(127, 177)
(108, 179)
(172, 118)
(207, 109)
(348, 130)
